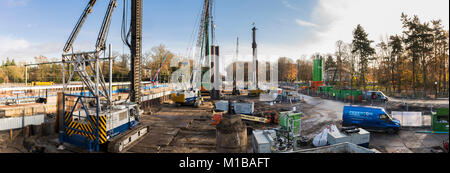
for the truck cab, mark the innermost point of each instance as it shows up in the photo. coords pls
(376, 95)
(371, 118)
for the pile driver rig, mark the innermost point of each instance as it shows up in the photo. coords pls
(254, 90)
(205, 61)
(92, 120)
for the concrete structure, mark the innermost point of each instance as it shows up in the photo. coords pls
(361, 138)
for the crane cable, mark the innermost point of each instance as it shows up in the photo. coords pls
(192, 38)
(125, 33)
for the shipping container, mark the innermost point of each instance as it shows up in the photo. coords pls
(325, 90)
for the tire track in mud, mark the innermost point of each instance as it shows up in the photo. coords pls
(316, 117)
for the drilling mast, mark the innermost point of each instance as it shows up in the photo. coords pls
(255, 60)
(136, 50)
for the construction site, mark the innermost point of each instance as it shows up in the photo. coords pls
(202, 109)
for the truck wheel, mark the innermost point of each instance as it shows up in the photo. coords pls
(391, 131)
(196, 104)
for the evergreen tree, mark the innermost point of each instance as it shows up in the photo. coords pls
(418, 40)
(395, 42)
(362, 48)
(330, 64)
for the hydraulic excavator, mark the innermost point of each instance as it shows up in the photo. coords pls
(94, 121)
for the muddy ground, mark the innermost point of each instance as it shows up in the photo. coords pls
(319, 112)
(189, 130)
(179, 130)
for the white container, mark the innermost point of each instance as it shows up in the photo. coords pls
(222, 105)
(244, 108)
(261, 144)
(337, 137)
(239, 108)
(363, 137)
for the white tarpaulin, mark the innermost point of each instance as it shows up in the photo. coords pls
(409, 119)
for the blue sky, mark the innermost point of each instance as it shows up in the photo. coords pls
(291, 28)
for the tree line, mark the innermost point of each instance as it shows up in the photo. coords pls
(414, 61)
(11, 72)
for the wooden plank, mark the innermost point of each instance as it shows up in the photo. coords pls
(15, 111)
(253, 118)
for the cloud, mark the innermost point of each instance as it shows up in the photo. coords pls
(336, 19)
(20, 49)
(289, 5)
(305, 23)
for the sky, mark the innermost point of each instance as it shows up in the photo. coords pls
(290, 28)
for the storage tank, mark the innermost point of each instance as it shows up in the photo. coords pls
(318, 69)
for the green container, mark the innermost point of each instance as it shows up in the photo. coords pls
(344, 94)
(328, 89)
(291, 122)
(439, 120)
(356, 93)
(341, 94)
(353, 93)
(335, 92)
(325, 89)
(321, 89)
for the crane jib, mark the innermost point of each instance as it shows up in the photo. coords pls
(78, 26)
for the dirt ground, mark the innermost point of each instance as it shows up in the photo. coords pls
(179, 130)
(189, 130)
(408, 141)
(319, 113)
(31, 144)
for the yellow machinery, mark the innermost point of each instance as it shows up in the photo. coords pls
(217, 117)
(187, 98)
(256, 92)
(41, 83)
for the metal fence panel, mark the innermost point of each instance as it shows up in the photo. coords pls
(19, 122)
(409, 119)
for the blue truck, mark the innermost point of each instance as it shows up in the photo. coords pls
(370, 118)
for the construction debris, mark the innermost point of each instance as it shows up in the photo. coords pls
(338, 148)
